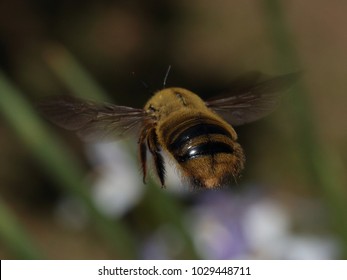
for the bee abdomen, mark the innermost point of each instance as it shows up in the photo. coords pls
(200, 139)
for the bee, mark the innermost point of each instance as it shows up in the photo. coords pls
(197, 135)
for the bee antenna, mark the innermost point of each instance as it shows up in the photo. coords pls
(166, 76)
(143, 83)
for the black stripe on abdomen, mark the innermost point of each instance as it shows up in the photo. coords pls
(195, 131)
(205, 149)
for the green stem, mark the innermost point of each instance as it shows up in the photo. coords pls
(322, 164)
(59, 161)
(15, 237)
(164, 208)
(68, 69)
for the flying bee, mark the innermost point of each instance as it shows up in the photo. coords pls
(198, 136)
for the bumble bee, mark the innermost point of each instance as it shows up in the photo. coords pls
(197, 135)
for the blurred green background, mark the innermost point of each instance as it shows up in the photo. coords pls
(63, 199)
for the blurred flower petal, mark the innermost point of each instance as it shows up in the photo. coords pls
(118, 186)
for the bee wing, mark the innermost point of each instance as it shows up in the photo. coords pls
(251, 98)
(92, 121)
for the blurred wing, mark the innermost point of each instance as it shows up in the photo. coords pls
(92, 121)
(251, 99)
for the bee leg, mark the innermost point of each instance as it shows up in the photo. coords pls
(160, 167)
(143, 158)
(143, 155)
(154, 148)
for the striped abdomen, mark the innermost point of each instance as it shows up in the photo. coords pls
(205, 150)
(196, 138)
